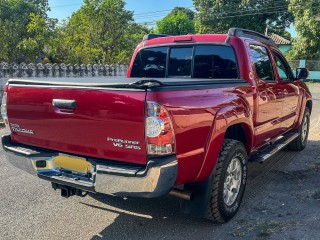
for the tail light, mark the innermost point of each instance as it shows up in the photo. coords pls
(159, 130)
(4, 112)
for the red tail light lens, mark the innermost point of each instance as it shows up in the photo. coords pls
(4, 112)
(159, 130)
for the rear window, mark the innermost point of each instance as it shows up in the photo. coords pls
(200, 61)
(215, 62)
(150, 62)
(180, 62)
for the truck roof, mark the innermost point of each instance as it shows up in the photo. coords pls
(160, 39)
(219, 38)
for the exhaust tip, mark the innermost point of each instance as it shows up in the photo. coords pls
(182, 194)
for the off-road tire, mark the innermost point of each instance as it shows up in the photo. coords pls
(218, 211)
(299, 143)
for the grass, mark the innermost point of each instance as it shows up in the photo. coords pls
(263, 228)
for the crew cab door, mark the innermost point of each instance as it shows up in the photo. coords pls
(289, 88)
(268, 96)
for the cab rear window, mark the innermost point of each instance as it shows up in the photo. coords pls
(150, 62)
(199, 61)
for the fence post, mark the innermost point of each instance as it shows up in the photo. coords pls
(302, 63)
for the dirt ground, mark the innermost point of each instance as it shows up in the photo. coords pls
(282, 201)
(283, 195)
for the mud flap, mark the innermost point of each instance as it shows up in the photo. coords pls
(198, 206)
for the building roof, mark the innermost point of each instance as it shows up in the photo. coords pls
(279, 40)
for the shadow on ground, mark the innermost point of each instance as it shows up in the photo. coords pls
(149, 219)
(160, 218)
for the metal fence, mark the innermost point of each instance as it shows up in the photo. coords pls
(23, 70)
(313, 65)
(31, 70)
(294, 64)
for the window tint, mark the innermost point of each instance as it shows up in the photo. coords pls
(150, 62)
(215, 62)
(180, 62)
(262, 62)
(282, 67)
(210, 62)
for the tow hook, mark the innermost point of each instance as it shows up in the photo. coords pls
(67, 191)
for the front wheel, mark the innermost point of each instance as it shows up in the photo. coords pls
(301, 141)
(229, 182)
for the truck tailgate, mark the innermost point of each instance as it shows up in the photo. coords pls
(101, 122)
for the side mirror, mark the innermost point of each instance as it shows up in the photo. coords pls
(302, 73)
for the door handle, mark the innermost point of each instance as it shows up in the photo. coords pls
(64, 104)
(263, 96)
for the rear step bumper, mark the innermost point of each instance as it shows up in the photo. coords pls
(155, 179)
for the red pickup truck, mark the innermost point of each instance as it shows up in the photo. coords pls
(191, 113)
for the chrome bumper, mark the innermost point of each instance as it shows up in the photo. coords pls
(155, 179)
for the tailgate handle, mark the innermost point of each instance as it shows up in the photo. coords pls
(66, 104)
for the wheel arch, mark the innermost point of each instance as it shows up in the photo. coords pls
(242, 133)
(309, 105)
(234, 122)
(306, 103)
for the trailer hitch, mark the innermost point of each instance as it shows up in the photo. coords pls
(67, 191)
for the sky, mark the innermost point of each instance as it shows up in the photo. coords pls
(145, 11)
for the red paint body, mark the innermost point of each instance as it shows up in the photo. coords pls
(200, 117)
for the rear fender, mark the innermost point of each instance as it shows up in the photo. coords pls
(224, 118)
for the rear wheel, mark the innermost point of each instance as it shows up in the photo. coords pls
(229, 181)
(301, 141)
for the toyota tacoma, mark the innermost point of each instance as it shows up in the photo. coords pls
(191, 113)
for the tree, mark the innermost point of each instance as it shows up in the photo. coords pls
(217, 16)
(175, 23)
(101, 31)
(41, 31)
(14, 19)
(189, 12)
(307, 24)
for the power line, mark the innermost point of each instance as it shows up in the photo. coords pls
(168, 10)
(150, 16)
(225, 12)
(135, 14)
(276, 6)
(66, 5)
(239, 13)
(232, 16)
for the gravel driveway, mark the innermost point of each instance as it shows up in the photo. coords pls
(282, 202)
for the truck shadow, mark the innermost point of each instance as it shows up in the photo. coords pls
(149, 219)
(160, 218)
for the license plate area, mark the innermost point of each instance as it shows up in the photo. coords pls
(73, 164)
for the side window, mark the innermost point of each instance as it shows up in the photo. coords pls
(180, 62)
(262, 62)
(215, 62)
(282, 67)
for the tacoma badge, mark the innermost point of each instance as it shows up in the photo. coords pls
(17, 128)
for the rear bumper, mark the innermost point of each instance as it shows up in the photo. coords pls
(155, 179)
